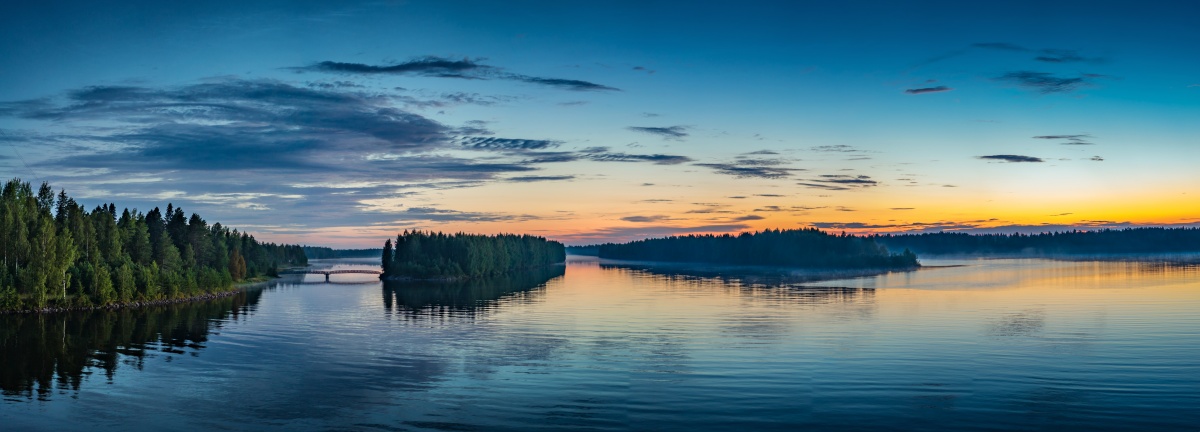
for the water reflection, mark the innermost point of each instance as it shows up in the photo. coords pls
(44, 354)
(747, 275)
(428, 298)
(760, 284)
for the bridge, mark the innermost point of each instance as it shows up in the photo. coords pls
(333, 272)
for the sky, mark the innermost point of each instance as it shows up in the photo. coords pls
(343, 123)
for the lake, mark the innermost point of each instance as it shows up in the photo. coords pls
(971, 344)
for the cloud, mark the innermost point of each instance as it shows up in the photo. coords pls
(840, 182)
(643, 69)
(1012, 158)
(1096, 158)
(840, 148)
(903, 208)
(1078, 139)
(1065, 56)
(627, 233)
(529, 179)
(566, 84)
(442, 215)
(429, 65)
(938, 89)
(439, 67)
(645, 219)
(490, 143)
(226, 145)
(747, 218)
(749, 171)
(1045, 82)
(602, 154)
(669, 132)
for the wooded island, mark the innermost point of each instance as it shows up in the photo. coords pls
(430, 255)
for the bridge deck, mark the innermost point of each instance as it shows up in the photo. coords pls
(333, 272)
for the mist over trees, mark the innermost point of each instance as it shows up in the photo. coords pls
(56, 253)
(808, 247)
(1130, 240)
(418, 254)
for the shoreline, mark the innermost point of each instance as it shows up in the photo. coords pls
(448, 279)
(234, 290)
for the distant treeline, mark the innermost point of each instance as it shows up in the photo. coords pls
(1131, 240)
(318, 252)
(57, 254)
(418, 254)
(807, 247)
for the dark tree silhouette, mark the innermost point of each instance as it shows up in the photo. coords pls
(808, 247)
(420, 254)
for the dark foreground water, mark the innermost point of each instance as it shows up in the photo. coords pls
(991, 345)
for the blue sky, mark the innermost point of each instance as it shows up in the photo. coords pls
(340, 122)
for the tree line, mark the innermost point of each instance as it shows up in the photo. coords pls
(1109, 241)
(57, 254)
(806, 247)
(419, 254)
(319, 252)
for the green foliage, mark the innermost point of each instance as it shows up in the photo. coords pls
(53, 252)
(318, 252)
(419, 254)
(811, 248)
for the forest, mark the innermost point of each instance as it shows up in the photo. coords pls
(56, 254)
(807, 247)
(1122, 241)
(319, 252)
(430, 255)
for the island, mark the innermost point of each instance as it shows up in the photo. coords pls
(802, 248)
(420, 255)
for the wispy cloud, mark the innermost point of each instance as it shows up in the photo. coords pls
(1012, 158)
(1047, 83)
(530, 179)
(749, 171)
(628, 233)
(491, 143)
(1077, 139)
(602, 154)
(938, 89)
(646, 219)
(1065, 56)
(840, 182)
(439, 67)
(668, 132)
(430, 66)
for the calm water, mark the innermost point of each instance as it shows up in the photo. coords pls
(988, 345)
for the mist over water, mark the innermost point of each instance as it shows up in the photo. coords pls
(961, 345)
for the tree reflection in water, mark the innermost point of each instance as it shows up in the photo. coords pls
(465, 298)
(44, 354)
